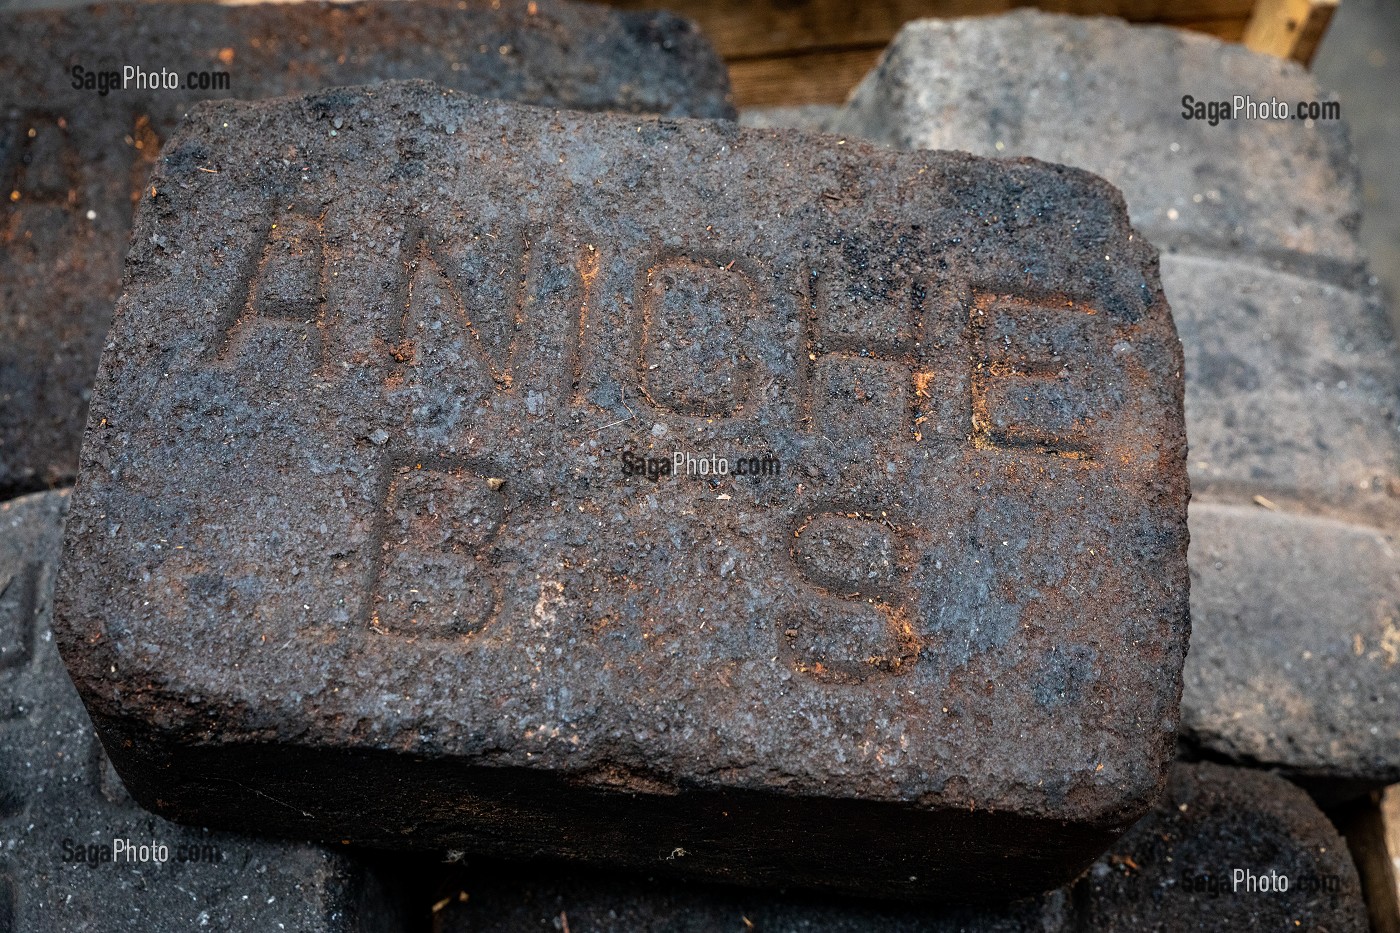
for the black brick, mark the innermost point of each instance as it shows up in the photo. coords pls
(387, 534)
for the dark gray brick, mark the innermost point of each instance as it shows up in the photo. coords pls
(391, 532)
(1106, 96)
(72, 162)
(1291, 397)
(59, 797)
(1171, 872)
(1295, 650)
(813, 118)
(1292, 389)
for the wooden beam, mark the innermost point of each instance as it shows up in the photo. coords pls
(1289, 28)
(1372, 830)
(1230, 30)
(815, 77)
(816, 51)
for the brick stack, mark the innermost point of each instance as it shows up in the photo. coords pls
(962, 606)
(353, 556)
(1291, 369)
(76, 143)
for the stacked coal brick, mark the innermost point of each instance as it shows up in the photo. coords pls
(350, 557)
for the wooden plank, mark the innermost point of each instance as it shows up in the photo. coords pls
(1230, 30)
(827, 76)
(1289, 28)
(816, 51)
(1385, 917)
(1372, 830)
(749, 29)
(817, 77)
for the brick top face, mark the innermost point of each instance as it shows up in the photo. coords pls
(354, 474)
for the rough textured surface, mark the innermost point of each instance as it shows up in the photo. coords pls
(1292, 395)
(73, 162)
(60, 799)
(1213, 821)
(1293, 382)
(1292, 390)
(507, 899)
(1295, 650)
(1171, 872)
(957, 612)
(814, 118)
(1359, 58)
(1100, 94)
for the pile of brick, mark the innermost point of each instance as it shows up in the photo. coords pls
(1291, 370)
(78, 853)
(352, 556)
(79, 136)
